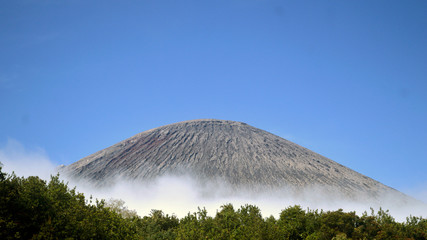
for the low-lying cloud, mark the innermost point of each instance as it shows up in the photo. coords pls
(181, 195)
(25, 162)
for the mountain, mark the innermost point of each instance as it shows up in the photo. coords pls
(233, 153)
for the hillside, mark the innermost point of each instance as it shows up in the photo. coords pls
(227, 152)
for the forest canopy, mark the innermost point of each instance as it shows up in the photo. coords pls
(32, 208)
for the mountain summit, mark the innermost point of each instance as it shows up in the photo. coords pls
(234, 153)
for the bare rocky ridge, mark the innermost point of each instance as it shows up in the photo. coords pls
(240, 155)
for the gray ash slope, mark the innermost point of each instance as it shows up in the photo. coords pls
(233, 152)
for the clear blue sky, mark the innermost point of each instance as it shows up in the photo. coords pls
(346, 79)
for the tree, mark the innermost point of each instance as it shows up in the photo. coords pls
(157, 226)
(292, 223)
(31, 208)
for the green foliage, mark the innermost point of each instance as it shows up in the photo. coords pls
(31, 208)
(292, 223)
(157, 226)
(196, 226)
(337, 224)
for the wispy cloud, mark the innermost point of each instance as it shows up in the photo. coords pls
(25, 162)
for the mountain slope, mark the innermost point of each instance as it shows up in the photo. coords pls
(234, 153)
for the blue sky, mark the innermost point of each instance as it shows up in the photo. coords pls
(346, 79)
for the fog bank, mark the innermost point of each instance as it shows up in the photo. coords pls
(181, 195)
